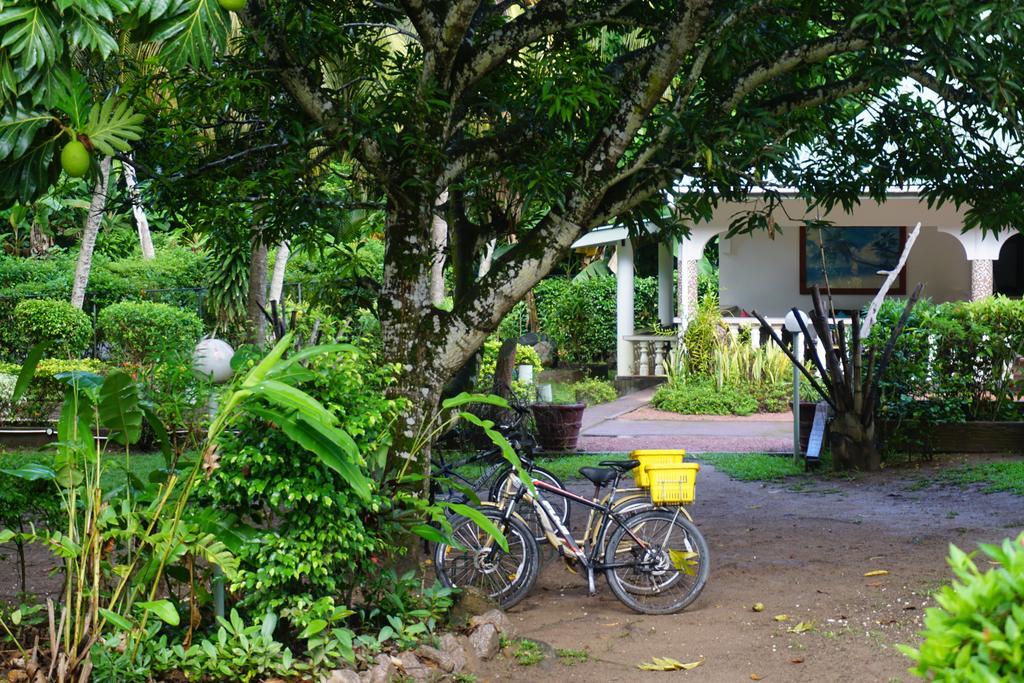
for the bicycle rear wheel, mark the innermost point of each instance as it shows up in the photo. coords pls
(526, 510)
(666, 570)
(473, 558)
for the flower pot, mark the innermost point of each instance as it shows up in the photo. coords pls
(558, 426)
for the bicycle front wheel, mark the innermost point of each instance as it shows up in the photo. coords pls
(473, 558)
(526, 510)
(658, 562)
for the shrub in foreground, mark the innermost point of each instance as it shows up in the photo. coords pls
(977, 631)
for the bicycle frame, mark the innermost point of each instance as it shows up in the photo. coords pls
(559, 536)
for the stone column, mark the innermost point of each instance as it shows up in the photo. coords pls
(624, 322)
(981, 279)
(665, 264)
(692, 299)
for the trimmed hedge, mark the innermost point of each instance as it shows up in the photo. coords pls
(46, 392)
(138, 331)
(67, 329)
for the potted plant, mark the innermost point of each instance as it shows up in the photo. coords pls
(558, 425)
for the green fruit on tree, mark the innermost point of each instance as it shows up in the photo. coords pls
(74, 159)
(232, 5)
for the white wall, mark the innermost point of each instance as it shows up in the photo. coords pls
(759, 273)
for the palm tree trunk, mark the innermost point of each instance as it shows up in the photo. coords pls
(92, 229)
(141, 221)
(277, 279)
(257, 291)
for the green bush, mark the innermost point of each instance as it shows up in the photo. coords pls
(702, 337)
(315, 541)
(977, 631)
(594, 391)
(702, 397)
(949, 365)
(137, 331)
(67, 329)
(583, 320)
(46, 392)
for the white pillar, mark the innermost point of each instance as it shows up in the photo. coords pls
(665, 310)
(981, 279)
(624, 307)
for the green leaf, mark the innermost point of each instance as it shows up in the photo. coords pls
(282, 368)
(115, 619)
(28, 370)
(429, 533)
(259, 372)
(163, 609)
(19, 129)
(333, 446)
(160, 432)
(111, 127)
(480, 520)
(466, 398)
(286, 396)
(268, 627)
(31, 34)
(193, 33)
(72, 96)
(119, 409)
(88, 34)
(32, 471)
(312, 628)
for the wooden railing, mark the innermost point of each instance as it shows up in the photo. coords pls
(651, 351)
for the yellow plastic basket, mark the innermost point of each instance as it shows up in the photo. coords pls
(647, 458)
(673, 484)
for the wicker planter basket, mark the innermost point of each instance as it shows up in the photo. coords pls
(558, 426)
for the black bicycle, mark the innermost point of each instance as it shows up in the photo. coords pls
(656, 561)
(485, 472)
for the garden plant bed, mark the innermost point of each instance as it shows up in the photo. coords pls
(974, 437)
(800, 546)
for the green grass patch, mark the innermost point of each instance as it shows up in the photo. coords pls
(996, 476)
(753, 466)
(142, 464)
(570, 657)
(567, 467)
(528, 652)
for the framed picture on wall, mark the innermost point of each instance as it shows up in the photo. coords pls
(850, 258)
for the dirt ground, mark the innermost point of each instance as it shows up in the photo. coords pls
(802, 553)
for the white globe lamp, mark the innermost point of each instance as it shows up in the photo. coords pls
(212, 359)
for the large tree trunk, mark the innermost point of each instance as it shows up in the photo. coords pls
(280, 265)
(853, 444)
(439, 240)
(92, 228)
(141, 221)
(257, 291)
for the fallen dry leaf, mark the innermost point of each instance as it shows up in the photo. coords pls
(875, 584)
(877, 572)
(758, 607)
(802, 627)
(781, 617)
(797, 660)
(755, 677)
(668, 664)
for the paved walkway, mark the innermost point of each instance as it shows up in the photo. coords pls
(630, 423)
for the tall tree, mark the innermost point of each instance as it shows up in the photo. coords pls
(545, 119)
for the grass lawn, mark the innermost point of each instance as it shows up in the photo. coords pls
(742, 466)
(997, 476)
(142, 464)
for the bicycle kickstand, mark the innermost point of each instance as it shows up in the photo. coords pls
(591, 585)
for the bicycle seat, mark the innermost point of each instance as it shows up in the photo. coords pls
(620, 466)
(598, 476)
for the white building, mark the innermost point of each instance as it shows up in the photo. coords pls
(758, 272)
